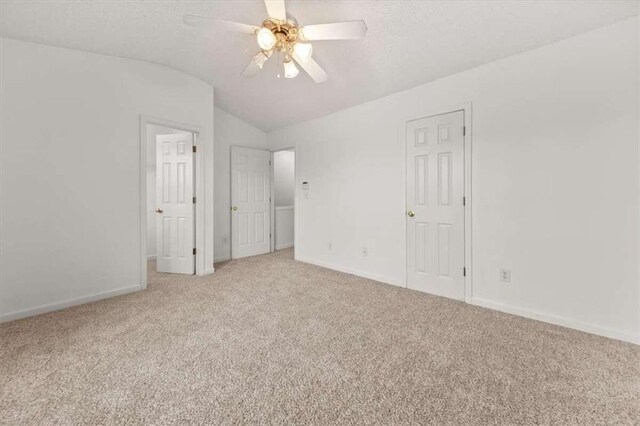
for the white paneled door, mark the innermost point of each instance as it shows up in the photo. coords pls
(250, 202)
(435, 205)
(174, 200)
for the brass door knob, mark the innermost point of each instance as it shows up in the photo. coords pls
(411, 213)
(158, 210)
(235, 208)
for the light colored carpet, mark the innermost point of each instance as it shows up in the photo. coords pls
(271, 340)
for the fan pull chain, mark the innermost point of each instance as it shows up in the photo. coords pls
(278, 66)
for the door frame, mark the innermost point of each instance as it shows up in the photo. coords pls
(273, 197)
(466, 108)
(198, 172)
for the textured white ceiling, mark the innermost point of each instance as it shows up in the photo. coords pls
(408, 43)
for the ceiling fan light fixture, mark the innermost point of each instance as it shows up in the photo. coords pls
(266, 39)
(281, 33)
(290, 69)
(303, 51)
(261, 58)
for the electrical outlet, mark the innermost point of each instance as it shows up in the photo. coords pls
(330, 246)
(365, 251)
(505, 275)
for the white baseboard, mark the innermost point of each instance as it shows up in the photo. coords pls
(557, 320)
(526, 313)
(375, 277)
(151, 257)
(56, 306)
(221, 259)
(208, 271)
(284, 246)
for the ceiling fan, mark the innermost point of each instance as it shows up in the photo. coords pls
(281, 33)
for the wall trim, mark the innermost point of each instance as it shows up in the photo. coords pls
(353, 271)
(56, 306)
(284, 208)
(221, 259)
(151, 257)
(557, 320)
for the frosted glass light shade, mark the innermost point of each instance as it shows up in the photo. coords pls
(266, 39)
(303, 51)
(260, 59)
(290, 69)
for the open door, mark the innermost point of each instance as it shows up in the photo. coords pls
(250, 202)
(175, 209)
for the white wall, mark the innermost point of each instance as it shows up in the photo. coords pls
(153, 130)
(283, 177)
(555, 181)
(229, 130)
(70, 200)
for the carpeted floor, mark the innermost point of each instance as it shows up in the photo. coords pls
(271, 340)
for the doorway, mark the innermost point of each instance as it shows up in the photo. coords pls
(436, 210)
(283, 199)
(250, 202)
(170, 212)
(262, 201)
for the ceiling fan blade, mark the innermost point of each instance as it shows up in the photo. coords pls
(314, 70)
(336, 31)
(275, 9)
(210, 23)
(255, 66)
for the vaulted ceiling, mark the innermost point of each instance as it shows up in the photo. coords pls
(408, 43)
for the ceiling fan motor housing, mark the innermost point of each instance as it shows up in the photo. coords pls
(286, 33)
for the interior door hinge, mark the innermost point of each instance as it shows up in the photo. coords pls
(194, 148)
(464, 271)
(194, 200)
(194, 251)
(464, 201)
(464, 130)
